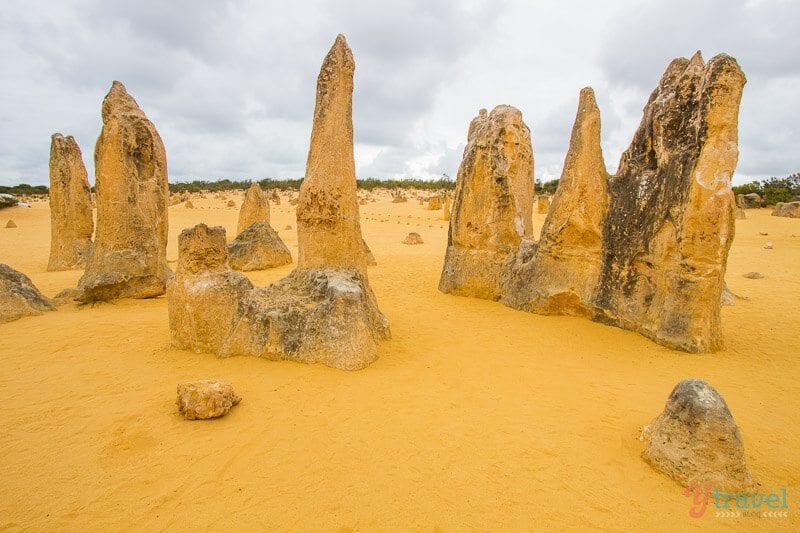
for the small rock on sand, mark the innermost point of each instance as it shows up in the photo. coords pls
(768, 245)
(413, 238)
(11, 224)
(206, 398)
(753, 275)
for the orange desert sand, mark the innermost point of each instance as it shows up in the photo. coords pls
(474, 416)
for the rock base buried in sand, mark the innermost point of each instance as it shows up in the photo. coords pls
(11, 224)
(205, 398)
(696, 441)
(413, 238)
(258, 247)
(327, 316)
(19, 297)
(129, 255)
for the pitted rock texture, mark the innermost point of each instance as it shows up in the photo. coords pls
(695, 440)
(328, 227)
(492, 204)
(324, 311)
(128, 259)
(206, 398)
(71, 221)
(645, 249)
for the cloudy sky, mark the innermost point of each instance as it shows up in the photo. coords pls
(230, 85)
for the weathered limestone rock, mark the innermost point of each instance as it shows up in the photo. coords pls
(434, 203)
(19, 297)
(128, 259)
(328, 227)
(645, 249)
(258, 247)
(71, 222)
(324, 311)
(787, 209)
(695, 440)
(492, 204)
(542, 204)
(203, 298)
(188, 204)
(752, 200)
(255, 208)
(740, 214)
(413, 238)
(446, 208)
(11, 224)
(569, 260)
(206, 398)
(670, 222)
(399, 198)
(753, 275)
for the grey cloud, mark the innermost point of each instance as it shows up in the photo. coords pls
(231, 84)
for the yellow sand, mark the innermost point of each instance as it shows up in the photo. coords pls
(475, 415)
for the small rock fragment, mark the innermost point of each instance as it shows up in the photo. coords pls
(206, 398)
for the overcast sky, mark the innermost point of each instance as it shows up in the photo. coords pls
(230, 85)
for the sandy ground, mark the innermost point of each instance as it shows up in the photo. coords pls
(476, 416)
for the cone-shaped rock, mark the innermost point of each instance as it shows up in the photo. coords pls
(128, 259)
(492, 204)
(255, 208)
(569, 258)
(695, 440)
(328, 228)
(19, 297)
(258, 247)
(71, 222)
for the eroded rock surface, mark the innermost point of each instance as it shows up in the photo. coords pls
(128, 259)
(695, 440)
(206, 398)
(492, 204)
(324, 311)
(645, 249)
(19, 297)
(258, 247)
(71, 221)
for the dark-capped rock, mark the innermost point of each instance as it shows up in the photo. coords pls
(695, 440)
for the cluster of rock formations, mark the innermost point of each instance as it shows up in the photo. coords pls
(325, 310)
(787, 209)
(696, 441)
(71, 219)
(645, 249)
(128, 259)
